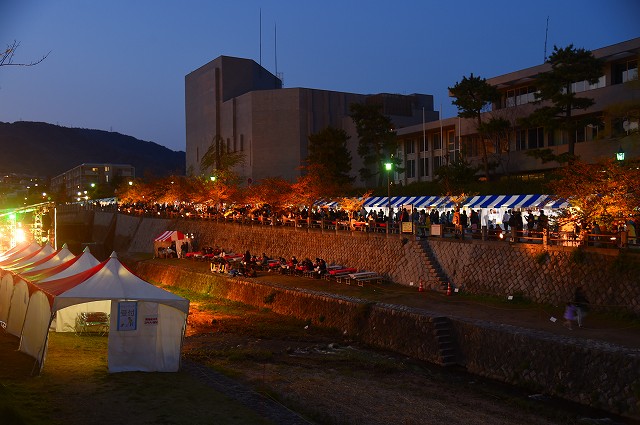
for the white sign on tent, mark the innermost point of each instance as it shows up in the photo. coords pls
(127, 315)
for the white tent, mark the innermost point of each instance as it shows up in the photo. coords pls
(64, 320)
(6, 282)
(147, 322)
(55, 258)
(16, 289)
(13, 251)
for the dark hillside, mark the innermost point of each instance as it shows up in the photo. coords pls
(47, 150)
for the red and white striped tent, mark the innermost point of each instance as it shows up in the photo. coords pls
(170, 235)
(167, 238)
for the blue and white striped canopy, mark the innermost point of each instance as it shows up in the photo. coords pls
(474, 202)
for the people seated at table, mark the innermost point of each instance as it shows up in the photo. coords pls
(169, 253)
(304, 266)
(320, 268)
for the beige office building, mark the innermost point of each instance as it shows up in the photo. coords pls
(249, 109)
(424, 148)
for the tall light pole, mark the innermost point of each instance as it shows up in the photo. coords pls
(389, 167)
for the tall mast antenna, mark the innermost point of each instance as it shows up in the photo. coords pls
(546, 33)
(260, 36)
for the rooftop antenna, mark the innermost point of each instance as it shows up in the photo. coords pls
(279, 75)
(546, 33)
(260, 36)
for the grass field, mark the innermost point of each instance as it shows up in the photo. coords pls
(76, 388)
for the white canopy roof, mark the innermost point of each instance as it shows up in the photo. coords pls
(109, 280)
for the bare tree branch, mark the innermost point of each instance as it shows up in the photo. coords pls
(6, 58)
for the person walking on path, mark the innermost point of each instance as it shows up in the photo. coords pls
(582, 305)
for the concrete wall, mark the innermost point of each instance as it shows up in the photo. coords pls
(588, 372)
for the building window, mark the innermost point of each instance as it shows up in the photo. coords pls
(437, 163)
(584, 85)
(624, 126)
(436, 141)
(520, 96)
(409, 147)
(470, 146)
(592, 132)
(423, 167)
(424, 144)
(410, 170)
(521, 140)
(535, 138)
(625, 71)
(556, 138)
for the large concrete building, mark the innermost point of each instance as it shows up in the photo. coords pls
(424, 148)
(246, 106)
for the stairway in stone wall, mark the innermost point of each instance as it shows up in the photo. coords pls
(446, 343)
(437, 276)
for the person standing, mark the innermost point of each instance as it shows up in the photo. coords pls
(505, 220)
(582, 305)
(457, 223)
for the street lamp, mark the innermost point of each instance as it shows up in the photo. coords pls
(620, 154)
(389, 167)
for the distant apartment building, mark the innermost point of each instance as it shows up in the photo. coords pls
(246, 107)
(82, 181)
(424, 148)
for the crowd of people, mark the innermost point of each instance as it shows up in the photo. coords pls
(529, 222)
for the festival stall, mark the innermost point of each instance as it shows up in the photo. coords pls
(166, 240)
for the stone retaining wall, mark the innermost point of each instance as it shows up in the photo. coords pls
(534, 272)
(588, 372)
(549, 275)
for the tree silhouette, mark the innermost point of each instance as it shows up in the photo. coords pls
(569, 65)
(473, 96)
(328, 148)
(376, 138)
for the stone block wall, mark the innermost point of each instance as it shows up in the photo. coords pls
(584, 371)
(540, 274)
(588, 372)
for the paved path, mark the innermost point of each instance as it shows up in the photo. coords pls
(597, 326)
